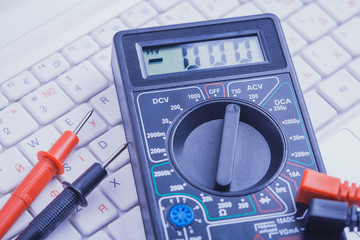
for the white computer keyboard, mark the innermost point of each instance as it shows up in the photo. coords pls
(53, 95)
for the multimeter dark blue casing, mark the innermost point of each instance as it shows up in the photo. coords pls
(217, 152)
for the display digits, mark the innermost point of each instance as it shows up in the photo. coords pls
(202, 55)
(191, 56)
(213, 54)
(243, 51)
(217, 54)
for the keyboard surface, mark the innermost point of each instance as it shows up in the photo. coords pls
(40, 101)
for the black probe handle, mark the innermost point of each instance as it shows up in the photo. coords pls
(64, 204)
(54, 214)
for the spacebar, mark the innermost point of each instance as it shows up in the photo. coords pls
(57, 33)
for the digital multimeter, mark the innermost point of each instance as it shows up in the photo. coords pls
(219, 132)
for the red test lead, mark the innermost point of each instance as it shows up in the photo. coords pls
(50, 163)
(319, 185)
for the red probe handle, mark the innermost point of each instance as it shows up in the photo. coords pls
(319, 185)
(60, 150)
(63, 147)
(50, 163)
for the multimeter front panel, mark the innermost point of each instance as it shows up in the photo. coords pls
(219, 132)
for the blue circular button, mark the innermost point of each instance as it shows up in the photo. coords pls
(181, 215)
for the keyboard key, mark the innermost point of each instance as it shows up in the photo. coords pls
(99, 209)
(338, 154)
(348, 35)
(326, 56)
(20, 224)
(129, 226)
(312, 22)
(49, 193)
(51, 67)
(341, 10)
(47, 102)
(281, 8)
(163, 5)
(307, 76)
(354, 125)
(100, 235)
(351, 235)
(15, 124)
(81, 49)
(152, 23)
(77, 163)
(212, 9)
(248, 8)
(294, 41)
(181, 13)
(41, 140)
(138, 15)
(3, 101)
(341, 89)
(102, 60)
(82, 82)
(354, 68)
(13, 168)
(106, 103)
(121, 183)
(19, 86)
(94, 127)
(104, 146)
(104, 34)
(320, 111)
(65, 231)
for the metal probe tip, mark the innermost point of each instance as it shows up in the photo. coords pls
(115, 154)
(83, 121)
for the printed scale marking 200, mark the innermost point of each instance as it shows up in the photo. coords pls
(219, 132)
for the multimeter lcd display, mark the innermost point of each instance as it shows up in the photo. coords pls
(202, 55)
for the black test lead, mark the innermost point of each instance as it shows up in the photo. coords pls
(62, 206)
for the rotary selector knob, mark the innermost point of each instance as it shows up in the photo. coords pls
(227, 147)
